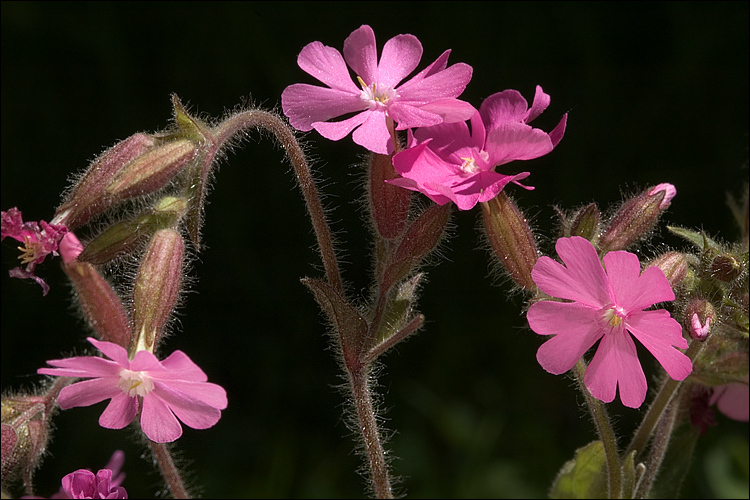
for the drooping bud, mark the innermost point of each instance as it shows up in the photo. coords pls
(389, 205)
(699, 317)
(157, 287)
(99, 303)
(126, 236)
(636, 218)
(25, 422)
(88, 196)
(674, 265)
(511, 239)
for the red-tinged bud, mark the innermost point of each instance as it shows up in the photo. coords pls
(636, 218)
(99, 303)
(586, 223)
(726, 267)
(389, 204)
(700, 316)
(511, 239)
(674, 265)
(25, 422)
(157, 287)
(88, 196)
(151, 171)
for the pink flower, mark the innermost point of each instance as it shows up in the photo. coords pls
(85, 484)
(448, 162)
(164, 390)
(608, 304)
(427, 99)
(733, 400)
(39, 240)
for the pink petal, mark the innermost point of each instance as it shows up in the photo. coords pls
(81, 366)
(113, 351)
(583, 279)
(448, 83)
(145, 361)
(88, 392)
(400, 56)
(482, 187)
(327, 65)
(360, 53)
(205, 392)
(616, 363)
(541, 102)
(732, 400)
(506, 106)
(421, 164)
(307, 104)
(408, 116)
(559, 131)
(373, 133)
(119, 412)
(449, 110)
(335, 131)
(180, 366)
(437, 66)
(660, 334)
(192, 412)
(157, 420)
(575, 328)
(511, 141)
(632, 290)
(435, 196)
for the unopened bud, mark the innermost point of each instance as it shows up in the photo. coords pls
(636, 218)
(88, 197)
(674, 265)
(586, 223)
(511, 239)
(157, 287)
(151, 171)
(99, 303)
(24, 435)
(699, 318)
(726, 267)
(389, 204)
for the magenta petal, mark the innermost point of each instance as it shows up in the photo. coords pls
(732, 400)
(502, 107)
(79, 484)
(180, 366)
(575, 328)
(211, 394)
(119, 412)
(632, 290)
(400, 56)
(307, 104)
(335, 131)
(559, 131)
(511, 141)
(157, 420)
(81, 366)
(88, 392)
(449, 83)
(660, 334)
(583, 279)
(408, 116)
(191, 411)
(145, 361)
(361, 54)
(373, 133)
(616, 363)
(327, 65)
(113, 351)
(541, 102)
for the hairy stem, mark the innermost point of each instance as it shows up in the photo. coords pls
(273, 123)
(168, 470)
(368, 427)
(606, 435)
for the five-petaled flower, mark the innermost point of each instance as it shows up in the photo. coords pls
(165, 391)
(427, 99)
(448, 162)
(608, 304)
(39, 240)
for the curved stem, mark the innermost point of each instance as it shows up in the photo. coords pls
(274, 124)
(606, 435)
(168, 470)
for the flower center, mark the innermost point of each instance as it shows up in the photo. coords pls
(614, 316)
(377, 98)
(30, 250)
(469, 166)
(135, 383)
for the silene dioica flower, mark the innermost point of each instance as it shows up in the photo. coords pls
(165, 391)
(607, 303)
(449, 162)
(429, 98)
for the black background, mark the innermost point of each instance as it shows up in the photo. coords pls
(656, 92)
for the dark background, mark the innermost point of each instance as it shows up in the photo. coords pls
(656, 92)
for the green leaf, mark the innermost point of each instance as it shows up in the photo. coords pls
(583, 477)
(698, 239)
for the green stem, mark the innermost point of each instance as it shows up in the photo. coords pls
(663, 397)
(606, 435)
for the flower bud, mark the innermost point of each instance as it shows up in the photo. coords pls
(151, 171)
(586, 223)
(157, 287)
(389, 204)
(24, 435)
(511, 239)
(636, 218)
(699, 318)
(99, 303)
(88, 196)
(726, 267)
(674, 265)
